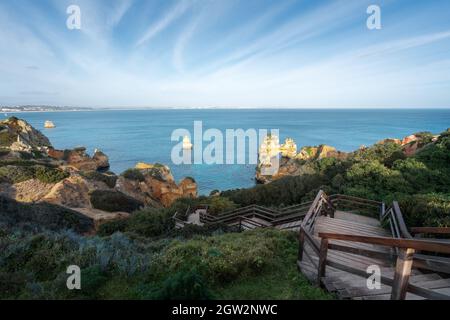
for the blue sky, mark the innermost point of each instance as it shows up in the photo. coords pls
(225, 53)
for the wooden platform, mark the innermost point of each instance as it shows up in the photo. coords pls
(351, 286)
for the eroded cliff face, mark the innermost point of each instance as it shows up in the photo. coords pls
(154, 184)
(32, 171)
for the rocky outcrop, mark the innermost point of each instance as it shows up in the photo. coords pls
(189, 187)
(79, 159)
(287, 167)
(155, 184)
(409, 139)
(18, 135)
(72, 192)
(292, 163)
(319, 152)
(101, 160)
(390, 140)
(28, 191)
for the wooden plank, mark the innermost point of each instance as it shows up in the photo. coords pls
(326, 222)
(361, 252)
(428, 263)
(389, 281)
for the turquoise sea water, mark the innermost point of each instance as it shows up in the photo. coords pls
(128, 137)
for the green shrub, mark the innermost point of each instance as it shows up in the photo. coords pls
(6, 139)
(110, 227)
(226, 257)
(133, 174)
(429, 210)
(184, 285)
(11, 284)
(192, 230)
(13, 174)
(220, 204)
(50, 175)
(151, 222)
(93, 278)
(113, 201)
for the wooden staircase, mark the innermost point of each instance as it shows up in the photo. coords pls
(337, 247)
(342, 241)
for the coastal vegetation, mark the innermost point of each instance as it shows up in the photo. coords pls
(151, 260)
(420, 182)
(17, 173)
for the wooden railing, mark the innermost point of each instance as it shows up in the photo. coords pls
(403, 265)
(396, 222)
(358, 205)
(273, 217)
(245, 222)
(320, 206)
(430, 230)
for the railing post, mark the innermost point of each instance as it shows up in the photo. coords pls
(322, 260)
(402, 273)
(301, 244)
(382, 210)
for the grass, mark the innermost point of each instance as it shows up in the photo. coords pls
(280, 282)
(258, 264)
(285, 283)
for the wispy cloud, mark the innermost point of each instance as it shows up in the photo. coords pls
(391, 47)
(174, 13)
(119, 12)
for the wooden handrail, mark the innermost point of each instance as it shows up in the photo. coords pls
(405, 259)
(400, 220)
(430, 230)
(421, 245)
(344, 196)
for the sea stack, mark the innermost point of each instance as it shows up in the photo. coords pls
(49, 124)
(187, 145)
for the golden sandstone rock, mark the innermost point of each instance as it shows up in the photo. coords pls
(288, 149)
(143, 165)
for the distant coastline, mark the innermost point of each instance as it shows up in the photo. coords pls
(17, 109)
(45, 108)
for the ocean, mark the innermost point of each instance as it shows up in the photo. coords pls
(131, 136)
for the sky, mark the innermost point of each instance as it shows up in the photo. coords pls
(225, 53)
